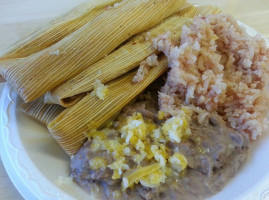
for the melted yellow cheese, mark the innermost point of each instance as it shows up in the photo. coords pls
(145, 143)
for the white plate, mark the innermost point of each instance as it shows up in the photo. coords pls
(34, 161)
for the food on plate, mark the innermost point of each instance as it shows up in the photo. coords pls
(38, 73)
(57, 29)
(40, 111)
(178, 126)
(66, 133)
(122, 60)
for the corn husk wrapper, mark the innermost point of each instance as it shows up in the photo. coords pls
(36, 74)
(196, 11)
(90, 112)
(115, 64)
(123, 59)
(40, 111)
(57, 29)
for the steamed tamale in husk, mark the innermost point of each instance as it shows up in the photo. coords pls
(38, 73)
(90, 112)
(123, 59)
(115, 64)
(57, 29)
(40, 111)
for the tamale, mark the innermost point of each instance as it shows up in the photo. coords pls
(40, 111)
(38, 73)
(123, 59)
(115, 64)
(90, 112)
(57, 29)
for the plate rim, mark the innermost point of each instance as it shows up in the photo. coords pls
(31, 185)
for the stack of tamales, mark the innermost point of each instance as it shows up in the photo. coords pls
(55, 68)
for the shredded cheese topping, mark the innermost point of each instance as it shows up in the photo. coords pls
(143, 142)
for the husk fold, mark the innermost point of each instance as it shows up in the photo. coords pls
(40, 111)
